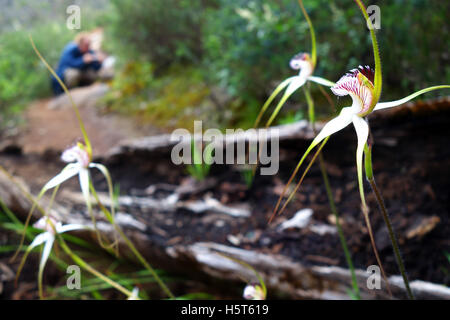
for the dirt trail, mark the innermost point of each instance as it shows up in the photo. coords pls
(51, 124)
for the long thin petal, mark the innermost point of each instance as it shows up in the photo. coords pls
(107, 176)
(70, 227)
(362, 131)
(39, 239)
(335, 125)
(385, 105)
(321, 81)
(293, 86)
(338, 123)
(278, 89)
(68, 172)
(84, 184)
(45, 254)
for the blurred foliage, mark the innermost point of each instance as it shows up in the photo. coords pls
(174, 54)
(175, 100)
(22, 76)
(244, 46)
(165, 31)
(249, 43)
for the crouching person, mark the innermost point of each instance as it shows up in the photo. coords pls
(78, 65)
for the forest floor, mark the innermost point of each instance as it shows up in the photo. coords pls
(50, 124)
(411, 165)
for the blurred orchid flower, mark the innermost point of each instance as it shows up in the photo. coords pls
(51, 227)
(135, 294)
(304, 63)
(359, 84)
(254, 292)
(80, 162)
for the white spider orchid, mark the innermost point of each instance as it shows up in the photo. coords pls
(254, 292)
(305, 64)
(359, 84)
(80, 162)
(51, 227)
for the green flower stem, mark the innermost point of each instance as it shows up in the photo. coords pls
(90, 269)
(376, 54)
(347, 254)
(313, 35)
(365, 210)
(249, 267)
(326, 181)
(299, 183)
(387, 220)
(74, 257)
(130, 244)
(110, 216)
(77, 112)
(310, 102)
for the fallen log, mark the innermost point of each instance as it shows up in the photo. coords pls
(283, 276)
(300, 130)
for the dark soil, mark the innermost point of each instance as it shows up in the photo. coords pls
(411, 166)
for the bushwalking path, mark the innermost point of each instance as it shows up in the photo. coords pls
(51, 124)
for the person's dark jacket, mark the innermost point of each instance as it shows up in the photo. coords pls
(71, 57)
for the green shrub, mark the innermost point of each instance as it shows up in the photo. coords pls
(22, 76)
(170, 101)
(248, 44)
(162, 31)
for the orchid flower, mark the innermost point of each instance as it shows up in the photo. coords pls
(134, 294)
(79, 158)
(364, 87)
(254, 292)
(305, 63)
(359, 84)
(51, 228)
(80, 162)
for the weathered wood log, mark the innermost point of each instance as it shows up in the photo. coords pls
(298, 281)
(297, 130)
(300, 130)
(168, 204)
(11, 194)
(283, 276)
